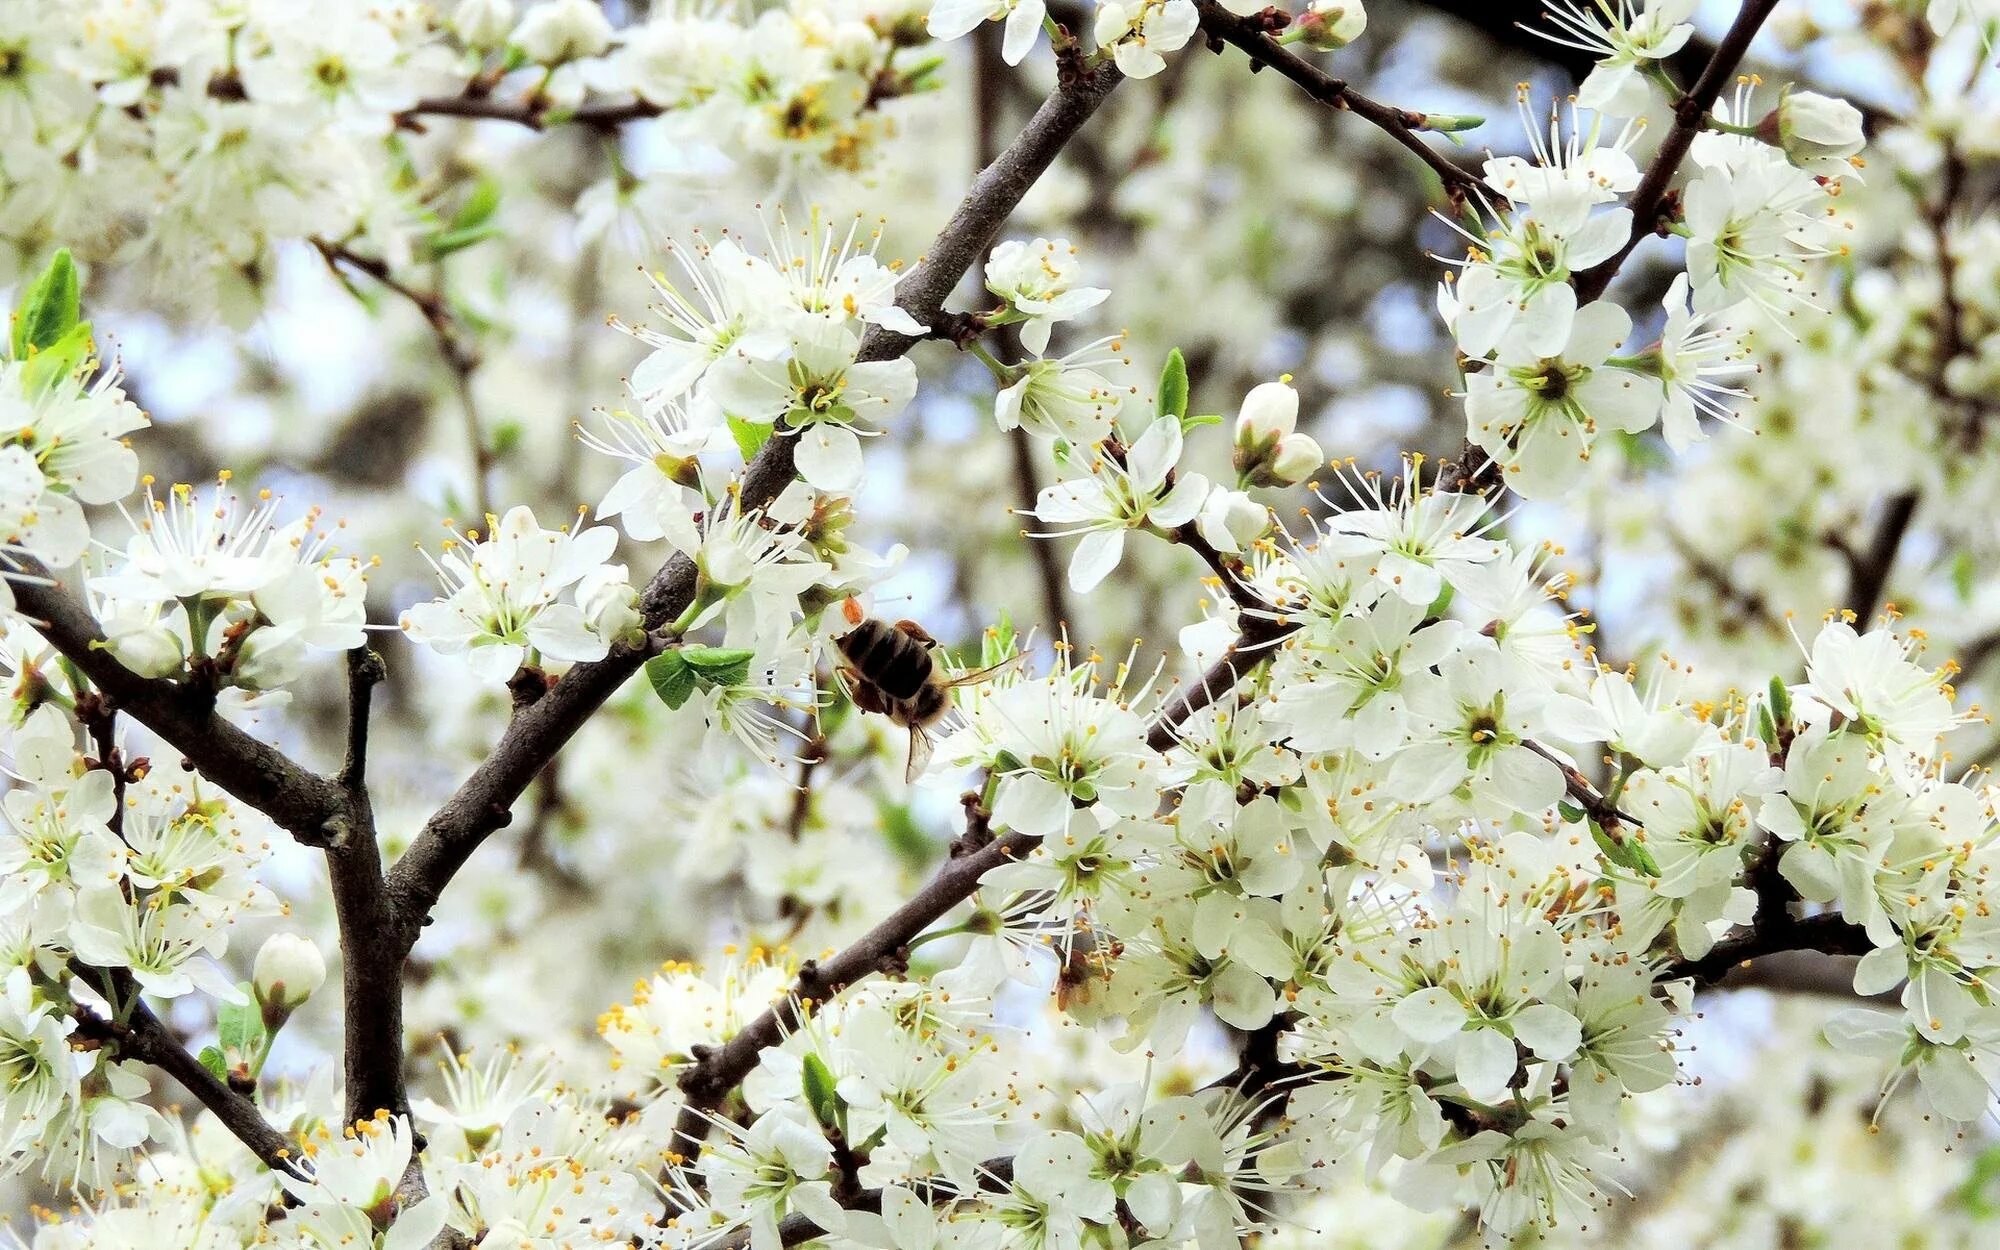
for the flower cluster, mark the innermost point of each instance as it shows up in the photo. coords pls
(187, 138)
(1546, 375)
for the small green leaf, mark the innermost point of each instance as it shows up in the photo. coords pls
(997, 644)
(1449, 123)
(507, 438)
(1174, 386)
(719, 666)
(213, 1060)
(478, 206)
(817, 1080)
(240, 1026)
(1766, 727)
(1964, 574)
(445, 242)
(49, 309)
(671, 677)
(750, 436)
(1441, 604)
(1570, 811)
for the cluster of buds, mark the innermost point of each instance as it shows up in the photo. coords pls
(1269, 449)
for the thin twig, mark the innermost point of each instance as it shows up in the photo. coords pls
(1690, 114)
(1253, 35)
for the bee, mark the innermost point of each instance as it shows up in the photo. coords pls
(890, 671)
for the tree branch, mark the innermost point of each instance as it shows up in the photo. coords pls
(718, 1071)
(147, 1039)
(1253, 35)
(538, 730)
(1690, 112)
(310, 807)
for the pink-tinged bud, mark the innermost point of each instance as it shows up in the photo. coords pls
(1269, 412)
(1332, 23)
(1818, 133)
(1298, 458)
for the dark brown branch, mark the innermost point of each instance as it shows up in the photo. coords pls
(718, 1071)
(1253, 35)
(147, 1039)
(1869, 569)
(534, 112)
(310, 807)
(1828, 934)
(1690, 113)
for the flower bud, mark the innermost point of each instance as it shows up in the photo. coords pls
(483, 24)
(1332, 23)
(1270, 411)
(1230, 520)
(1266, 423)
(1298, 457)
(556, 32)
(288, 969)
(1818, 133)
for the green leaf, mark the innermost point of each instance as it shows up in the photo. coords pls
(478, 206)
(213, 1060)
(1767, 728)
(719, 666)
(445, 242)
(750, 436)
(1174, 386)
(507, 438)
(1964, 573)
(821, 1096)
(671, 677)
(1627, 854)
(50, 309)
(997, 644)
(1570, 811)
(59, 361)
(240, 1027)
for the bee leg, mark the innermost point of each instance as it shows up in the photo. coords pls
(864, 694)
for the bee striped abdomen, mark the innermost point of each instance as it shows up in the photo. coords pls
(897, 663)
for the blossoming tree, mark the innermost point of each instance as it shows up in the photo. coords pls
(1391, 873)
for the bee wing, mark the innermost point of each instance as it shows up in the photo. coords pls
(920, 753)
(978, 675)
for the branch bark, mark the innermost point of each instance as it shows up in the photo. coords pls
(147, 1039)
(310, 807)
(1690, 112)
(539, 729)
(1253, 35)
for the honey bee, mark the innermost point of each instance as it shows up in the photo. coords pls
(890, 671)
